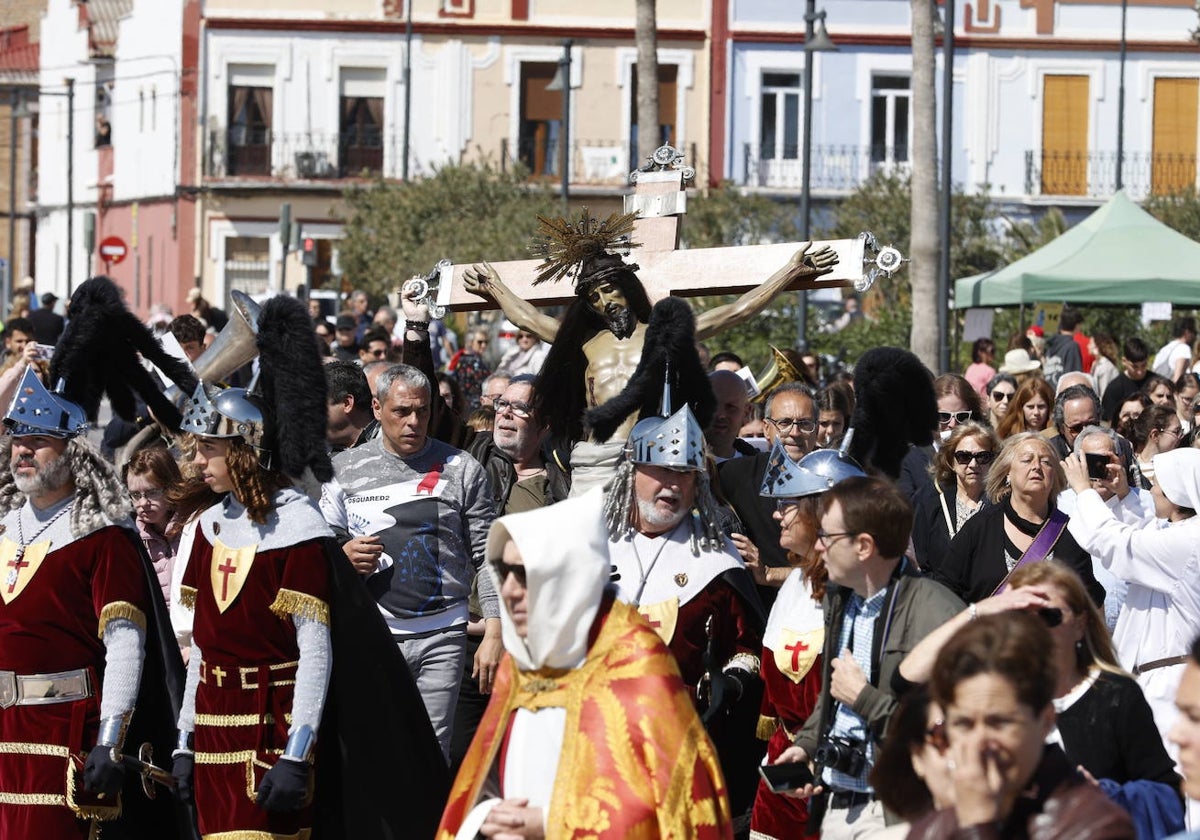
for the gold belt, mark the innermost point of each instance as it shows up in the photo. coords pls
(246, 676)
(42, 689)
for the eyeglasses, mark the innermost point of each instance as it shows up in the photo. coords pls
(983, 457)
(785, 424)
(148, 495)
(481, 341)
(784, 505)
(945, 417)
(519, 409)
(830, 539)
(1002, 396)
(1176, 432)
(1079, 427)
(503, 570)
(378, 354)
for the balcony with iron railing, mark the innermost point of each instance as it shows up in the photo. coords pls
(835, 169)
(594, 163)
(1094, 174)
(241, 153)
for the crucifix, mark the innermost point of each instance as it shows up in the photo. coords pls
(14, 568)
(660, 200)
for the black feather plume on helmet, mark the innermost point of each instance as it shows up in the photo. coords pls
(291, 385)
(669, 345)
(894, 406)
(98, 354)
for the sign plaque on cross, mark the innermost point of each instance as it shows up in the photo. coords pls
(660, 199)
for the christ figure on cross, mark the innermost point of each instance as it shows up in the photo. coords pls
(598, 343)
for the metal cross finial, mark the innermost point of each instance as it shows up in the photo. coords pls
(665, 158)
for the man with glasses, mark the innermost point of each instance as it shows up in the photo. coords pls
(880, 608)
(1135, 365)
(790, 417)
(374, 346)
(1076, 408)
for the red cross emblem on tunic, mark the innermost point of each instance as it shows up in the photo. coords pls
(797, 651)
(228, 572)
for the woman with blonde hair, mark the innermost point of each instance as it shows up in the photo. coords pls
(1029, 410)
(1022, 526)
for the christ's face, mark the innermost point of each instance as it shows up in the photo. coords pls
(609, 302)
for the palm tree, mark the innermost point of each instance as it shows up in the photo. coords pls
(647, 74)
(923, 269)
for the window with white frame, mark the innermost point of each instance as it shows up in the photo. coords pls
(360, 139)
(248, 263)
(890, 97)
(779, 123)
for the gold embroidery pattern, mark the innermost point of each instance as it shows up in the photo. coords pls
(766, 727)
(26, 748)
(121, 609)
(237, 757)
(237, 720)
(32, 799)
(289, 602)
(187, 597)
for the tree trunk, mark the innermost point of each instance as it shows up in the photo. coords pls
(923, 269)
(647, 75)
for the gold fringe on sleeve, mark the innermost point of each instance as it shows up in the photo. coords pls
(766, 728)
(187, 597)
(290, 602)
(121, 609)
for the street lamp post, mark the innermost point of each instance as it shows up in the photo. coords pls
(70, 185)
(13, 102)
(1121, 102)
(816, 39)
(562, 81)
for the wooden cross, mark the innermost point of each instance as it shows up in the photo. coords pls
(661, 201)
(796, 649)
(14, 569)
(226, 568)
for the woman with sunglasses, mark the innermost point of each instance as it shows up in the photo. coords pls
(957, 403)
(959, 471)
(1022, 525)
(999, 395)
(1029, 410)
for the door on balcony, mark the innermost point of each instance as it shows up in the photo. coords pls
(890, 98)
(779, 130)
(541, 119)
(667, 129)
(248, 142)
(360, 132)
(1173, 166)
(1065, 135)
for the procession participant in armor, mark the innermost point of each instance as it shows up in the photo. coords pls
(590, 732)
(262, 579)
(597, 345)
(672, 561)
(84, 638)
(791, 671)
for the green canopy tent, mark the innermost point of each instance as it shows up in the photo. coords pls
(1119, 254)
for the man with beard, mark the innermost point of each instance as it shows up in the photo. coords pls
(596, 347)
(73, 625)
(673, 563)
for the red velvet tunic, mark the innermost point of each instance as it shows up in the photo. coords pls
(244, 700)
(49, 622)
(735, 630)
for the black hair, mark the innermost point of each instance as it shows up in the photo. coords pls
(1135, 350)
(725, 356)
(346, 379)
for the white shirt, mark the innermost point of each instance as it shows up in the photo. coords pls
(1171, 352)
(656, 569)
(1161, 614)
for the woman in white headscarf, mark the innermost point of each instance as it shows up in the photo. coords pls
(1160, 562)
(590, 728)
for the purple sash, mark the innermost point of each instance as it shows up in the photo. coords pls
(1041, 546)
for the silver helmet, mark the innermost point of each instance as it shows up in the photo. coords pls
(34, 410)
(815, 473)
(225, 413)
(676, 441)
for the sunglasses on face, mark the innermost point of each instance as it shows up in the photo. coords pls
(149, 495)
(983, 458)
(1002, 396)
(503, 570)
(960, 417)
(1050, 616)
(1079, 427)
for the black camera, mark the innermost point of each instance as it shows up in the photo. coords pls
(845, 755)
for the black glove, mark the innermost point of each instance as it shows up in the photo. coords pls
(101, 775)
(183, 769)
(285, 787)
(727, 688)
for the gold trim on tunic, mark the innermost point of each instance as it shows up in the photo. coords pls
(300, 604)
(121, 609)
(27, 748)
(237, 720)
